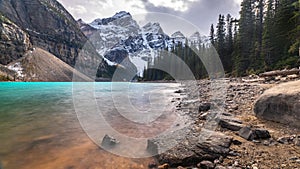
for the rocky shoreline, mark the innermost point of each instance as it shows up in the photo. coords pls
(224, 131)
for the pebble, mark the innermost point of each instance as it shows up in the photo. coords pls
(164, 166)
(180, 167)
(206, 165)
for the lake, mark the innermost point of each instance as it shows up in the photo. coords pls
(61, 125)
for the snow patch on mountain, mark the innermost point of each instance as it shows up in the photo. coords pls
(17, 67)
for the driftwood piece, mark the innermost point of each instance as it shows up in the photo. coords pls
(280, 73)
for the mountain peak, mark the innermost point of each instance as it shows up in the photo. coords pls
(196, 35)
(153, 28)
(105, 21)
(80, 21)
(121, 14)
(177, 34)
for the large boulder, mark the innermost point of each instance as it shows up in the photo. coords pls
(209, 145)
(280, 104)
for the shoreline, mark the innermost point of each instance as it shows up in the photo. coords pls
(239, 102)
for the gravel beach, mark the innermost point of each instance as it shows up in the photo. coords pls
(224, 131)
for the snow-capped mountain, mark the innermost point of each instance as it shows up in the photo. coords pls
(122, 41)
(196, 38)
(178, 37)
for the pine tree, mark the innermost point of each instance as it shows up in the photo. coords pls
(268, 33)
(295, 33)
(220, 41)
(245, 39)
(257, 59)
(212, 34)
(282, 29)
(229, 44)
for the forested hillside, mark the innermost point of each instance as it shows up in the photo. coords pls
(265, 37)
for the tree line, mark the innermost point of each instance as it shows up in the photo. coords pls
(172, 63)
(265, 37)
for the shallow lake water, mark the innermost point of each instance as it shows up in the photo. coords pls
(40, 129)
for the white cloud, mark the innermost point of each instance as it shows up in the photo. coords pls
(78, 9)
(177, 5)
(238, 1)
(91, 9)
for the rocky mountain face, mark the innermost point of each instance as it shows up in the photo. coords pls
(14, 42)
(120, 37)
(47, 25)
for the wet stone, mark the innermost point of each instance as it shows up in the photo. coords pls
(109, 142)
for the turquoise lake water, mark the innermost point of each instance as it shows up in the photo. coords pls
(39, 127)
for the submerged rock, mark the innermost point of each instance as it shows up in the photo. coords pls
(109, 142)
(152, 165)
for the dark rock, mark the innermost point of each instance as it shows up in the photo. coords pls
(204, 107)
(209, 145)
(294, 158)
(108, 141)
(178, 91)
(245, 133)
(253, 134)
(152, 165)
(236, 142)
(280, 104)
(227, 114)
(261, 134)
(206, 165)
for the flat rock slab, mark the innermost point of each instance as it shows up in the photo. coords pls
(230, 123)
(209, 145)
(280, 104)
(233, 126)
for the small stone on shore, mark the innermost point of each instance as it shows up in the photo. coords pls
(206, 165)
(108, 141)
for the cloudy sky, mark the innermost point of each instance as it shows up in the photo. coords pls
(199, 14)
